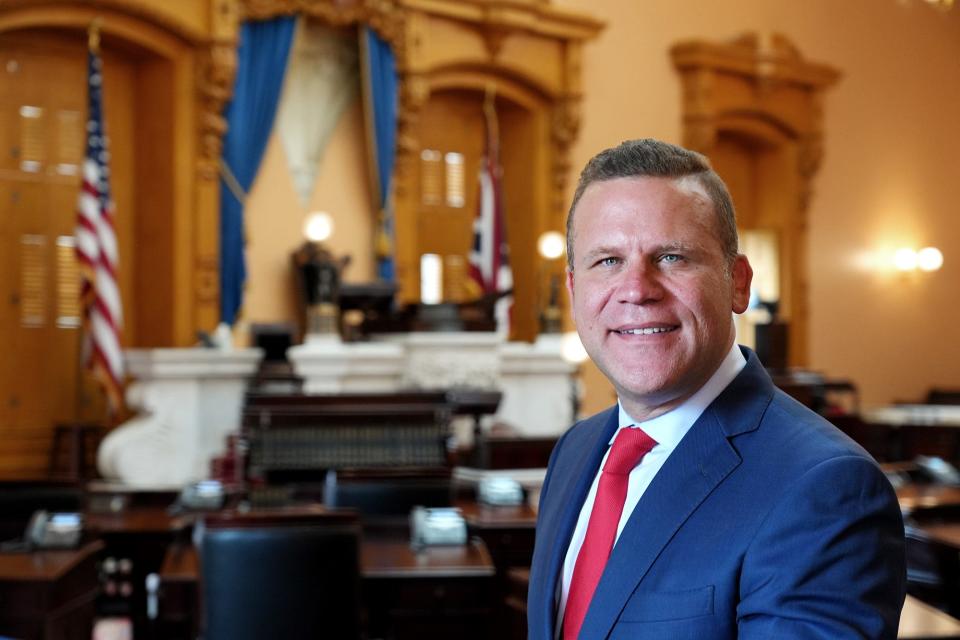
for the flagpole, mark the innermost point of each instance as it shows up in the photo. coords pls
(93, 45)
(93, 34)
(490, 112)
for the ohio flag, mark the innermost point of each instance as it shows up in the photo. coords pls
(490, 255)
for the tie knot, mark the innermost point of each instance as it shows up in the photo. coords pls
(628, 449)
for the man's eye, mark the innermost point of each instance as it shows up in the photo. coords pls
(671, 257)
(607, 262)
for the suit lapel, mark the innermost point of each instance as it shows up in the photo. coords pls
(699, 463)
(569, 485)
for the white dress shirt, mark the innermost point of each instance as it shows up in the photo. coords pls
(667, 430)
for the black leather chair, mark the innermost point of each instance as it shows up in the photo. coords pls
(285, 575)
(933, 570)
(375, 497)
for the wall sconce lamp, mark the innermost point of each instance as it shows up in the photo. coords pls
(926, 259)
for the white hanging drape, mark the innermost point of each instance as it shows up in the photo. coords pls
(321, 82)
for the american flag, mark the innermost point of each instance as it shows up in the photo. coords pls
(490, 256)
(96, 241)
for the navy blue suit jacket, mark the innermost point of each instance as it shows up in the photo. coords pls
(764, 522)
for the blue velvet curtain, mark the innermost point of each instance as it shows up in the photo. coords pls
(262, 60)
(381, 77)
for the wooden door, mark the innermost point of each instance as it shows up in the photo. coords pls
(42, 139)
(452, 146)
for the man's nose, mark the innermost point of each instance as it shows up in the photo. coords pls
(640, 284)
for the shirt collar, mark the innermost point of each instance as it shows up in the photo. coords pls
(668, 429)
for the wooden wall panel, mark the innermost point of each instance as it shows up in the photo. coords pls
(167, 76)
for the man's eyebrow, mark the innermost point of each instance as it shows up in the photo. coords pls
(675, 246)
(597, 252)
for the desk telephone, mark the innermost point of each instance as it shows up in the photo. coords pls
(937, 470)
(48, 530)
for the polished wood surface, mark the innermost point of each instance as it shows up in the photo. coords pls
(945, 533)
(49, 594)
(921, 621)
(916, 496)
(131, 521)
(180, 564)
(390, 558)
(44, 565)
(484, 516)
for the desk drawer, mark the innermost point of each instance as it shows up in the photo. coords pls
(421, 608)
(21, 599)
(441, 594)
(510, 547)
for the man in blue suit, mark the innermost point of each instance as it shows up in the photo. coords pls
(707, 503)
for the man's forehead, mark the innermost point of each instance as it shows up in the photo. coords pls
(686, 186)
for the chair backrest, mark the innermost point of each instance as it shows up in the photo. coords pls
(385, 496)
(286, 575)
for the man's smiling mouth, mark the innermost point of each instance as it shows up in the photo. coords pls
(648, 331)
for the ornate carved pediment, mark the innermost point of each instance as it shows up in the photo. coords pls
(760, 95)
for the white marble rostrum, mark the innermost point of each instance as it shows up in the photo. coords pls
(189, 400)
(535, 380)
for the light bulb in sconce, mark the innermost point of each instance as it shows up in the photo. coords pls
(551, 244)
(905, 259)
(926, 259)
(318, 226)
(929, 259)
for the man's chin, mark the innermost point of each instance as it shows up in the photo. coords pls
(650, 395)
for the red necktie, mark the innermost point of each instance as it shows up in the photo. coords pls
(628, 449)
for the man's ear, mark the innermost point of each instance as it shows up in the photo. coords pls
(570, 284)
(742, 276)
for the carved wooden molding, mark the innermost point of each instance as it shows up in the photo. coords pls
(762, 90)
(218, 68)
(144, 11)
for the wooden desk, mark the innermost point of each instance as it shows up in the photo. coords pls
(136, 521)
(918, 496)
(944, 533)
(932, 430)
(379, 558)
(919, 621)
(49, 594)
(434, 592)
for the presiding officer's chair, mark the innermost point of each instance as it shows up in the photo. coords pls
(285, 574)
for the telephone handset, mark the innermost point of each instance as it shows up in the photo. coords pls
(48, 530)
(938, 470)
